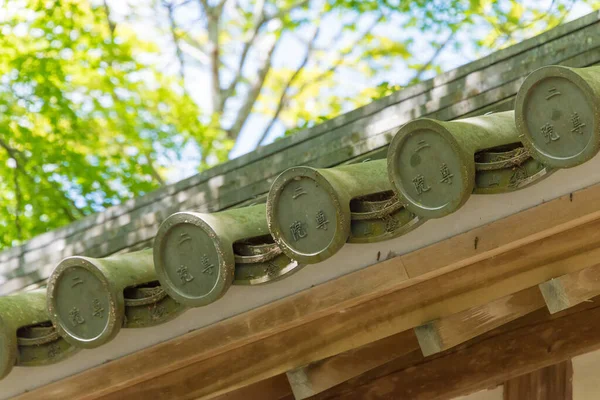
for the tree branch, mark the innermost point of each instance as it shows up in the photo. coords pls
(173, 27)
(18, 205)
(282, 98)
(153, 170)
(200, 55)
(213, 15)
(341, 57)
(508, 34)
(169, 7)
(13, 154)
(259, 20)
(435, 55)
(285, 98)
(253, 93)
(285, 11)
(111, 25)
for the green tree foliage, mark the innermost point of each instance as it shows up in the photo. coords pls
(91, 116)
(82, 119)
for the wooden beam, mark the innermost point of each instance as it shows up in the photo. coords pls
(321, 375)
(571, 289)
(275, 388)
(403, 309)
(549, 383)
(447, 332)
(505, 234)
(513, 253)
(444, 333)
(526, 345)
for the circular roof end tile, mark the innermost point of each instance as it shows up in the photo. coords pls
(193, 264)
(83, 303)
(306, 216)
(558, 116)
(431, 173)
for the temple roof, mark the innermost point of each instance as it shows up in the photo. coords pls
(353, 154)
(488, 84)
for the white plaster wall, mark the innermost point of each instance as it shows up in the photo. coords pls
(586, 376)
(491, 394)
(479, 210)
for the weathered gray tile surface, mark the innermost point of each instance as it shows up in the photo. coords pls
(488, 84)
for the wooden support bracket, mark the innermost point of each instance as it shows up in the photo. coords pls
(319, 376)
(571, 289)
(443, 333)
(517, 349)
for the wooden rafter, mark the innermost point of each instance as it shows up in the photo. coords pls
(377, 318)
(571, 289)
(521, 347)
(324, 374)
(434, 337)
(444, 333)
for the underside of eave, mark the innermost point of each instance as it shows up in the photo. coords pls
(489, 256)
(381, 303)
